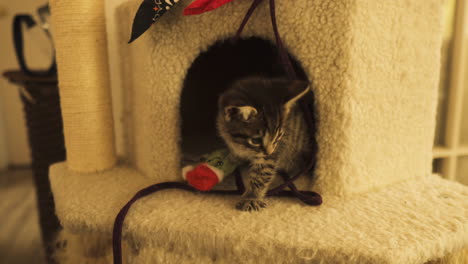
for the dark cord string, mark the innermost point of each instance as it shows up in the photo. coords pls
(284, 57)
(252, 8)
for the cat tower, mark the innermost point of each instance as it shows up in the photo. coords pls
(374, 65)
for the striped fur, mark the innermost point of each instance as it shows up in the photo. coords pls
(274, 136)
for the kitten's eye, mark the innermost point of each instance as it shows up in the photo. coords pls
(255, 141)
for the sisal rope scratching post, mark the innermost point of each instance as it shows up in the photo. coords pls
(81, 50)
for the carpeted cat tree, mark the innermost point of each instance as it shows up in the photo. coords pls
(374, 65)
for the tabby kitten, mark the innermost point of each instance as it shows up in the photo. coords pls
(260, 122)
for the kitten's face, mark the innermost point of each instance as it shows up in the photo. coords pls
(252, 114)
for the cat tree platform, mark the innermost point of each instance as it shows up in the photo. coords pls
(411, 222)
(374, 66)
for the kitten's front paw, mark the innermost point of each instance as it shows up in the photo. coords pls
(250, 205)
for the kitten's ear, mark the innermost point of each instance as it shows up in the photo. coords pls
(245, 113)
(296, 90)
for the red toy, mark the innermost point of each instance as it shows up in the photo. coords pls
(206, 175)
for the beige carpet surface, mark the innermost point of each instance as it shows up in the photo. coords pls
(410, 222)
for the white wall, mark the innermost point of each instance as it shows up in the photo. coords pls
(13, 140)
(3, 146)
